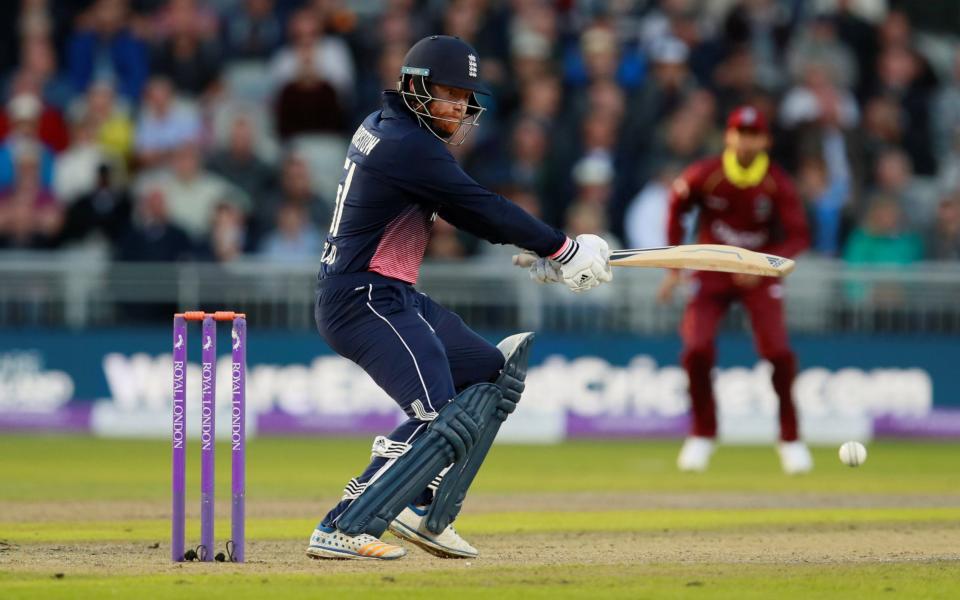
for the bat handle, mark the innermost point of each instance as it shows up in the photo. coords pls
(524, 260)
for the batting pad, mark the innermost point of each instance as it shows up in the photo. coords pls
(447, 439)
(449, 497)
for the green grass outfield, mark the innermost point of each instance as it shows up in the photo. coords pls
(90, 472)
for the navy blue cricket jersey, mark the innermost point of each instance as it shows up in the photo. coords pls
(396, 179)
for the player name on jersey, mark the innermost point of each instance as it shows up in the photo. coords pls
(364, 141)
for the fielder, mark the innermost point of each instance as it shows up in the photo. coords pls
(743, 200)
(454, 387)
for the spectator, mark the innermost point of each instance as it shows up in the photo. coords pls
(899, 80)
(525, 163)
(228, 236)
(103, 47)
(295, 238)
(308, 103)
(945, 126)
(75, 170)
(894, 178)
(824, 191)
(593, 178)
(818, 100)
(191, 63)
(165, 124)
(193, 194)
(29, 214)
(38, 58)
(188, 17)
(23, 113)
(252, 33)
(818, 44)
(883, 239)
(735, 80)
(50, 126)
(239, 163)
(295, 188)
(860, 37)
(762, 28)
(601, 56)
(114, 128)
(669, 86)
(943, 239)
(530, 55)
(384, 77)
(152, 236)
(331, 58)
(542, 98)
(645, 225)
(105, 211)
(685, 137)
(585, 216)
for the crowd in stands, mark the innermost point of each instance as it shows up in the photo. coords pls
(209, 130)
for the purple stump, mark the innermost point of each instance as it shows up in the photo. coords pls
(179, 437)
(238, 434)
(208, 429)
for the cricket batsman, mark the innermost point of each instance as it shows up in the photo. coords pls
(743, 200)
(454, 387)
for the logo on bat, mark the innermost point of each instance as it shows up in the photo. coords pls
(775, 261)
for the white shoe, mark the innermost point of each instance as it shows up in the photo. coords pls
(795, 458)
(334, 544)
(411, 525)
(695, 454)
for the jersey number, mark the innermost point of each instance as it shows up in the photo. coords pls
(330, 250)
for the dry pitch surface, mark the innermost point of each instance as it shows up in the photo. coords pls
(607, 520)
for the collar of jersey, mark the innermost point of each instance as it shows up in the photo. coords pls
(393, 106)
(744, 177)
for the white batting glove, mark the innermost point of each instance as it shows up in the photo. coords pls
(585, 263)
(589, 265)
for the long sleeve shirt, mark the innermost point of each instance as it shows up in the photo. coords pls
(397, 178)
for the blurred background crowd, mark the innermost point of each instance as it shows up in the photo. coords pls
(167, 130)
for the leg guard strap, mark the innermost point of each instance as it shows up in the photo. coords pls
(448, 499)
(447, 439)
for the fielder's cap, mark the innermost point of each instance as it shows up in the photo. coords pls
(747, 117)
(24, 107)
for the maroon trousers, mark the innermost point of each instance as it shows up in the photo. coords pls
(764, 304)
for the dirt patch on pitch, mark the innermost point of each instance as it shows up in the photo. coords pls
(311, 510)
(821, 544)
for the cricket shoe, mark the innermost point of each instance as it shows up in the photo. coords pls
(331, 543)
(411, 525)
(695, 454)
(795, 458)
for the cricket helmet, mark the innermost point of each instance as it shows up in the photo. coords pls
(443, 60)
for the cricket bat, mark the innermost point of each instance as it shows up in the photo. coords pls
(698, 257)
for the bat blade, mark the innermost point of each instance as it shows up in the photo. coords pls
(705, 257)
(697, 257)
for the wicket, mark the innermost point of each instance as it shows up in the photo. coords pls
(208, 377)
